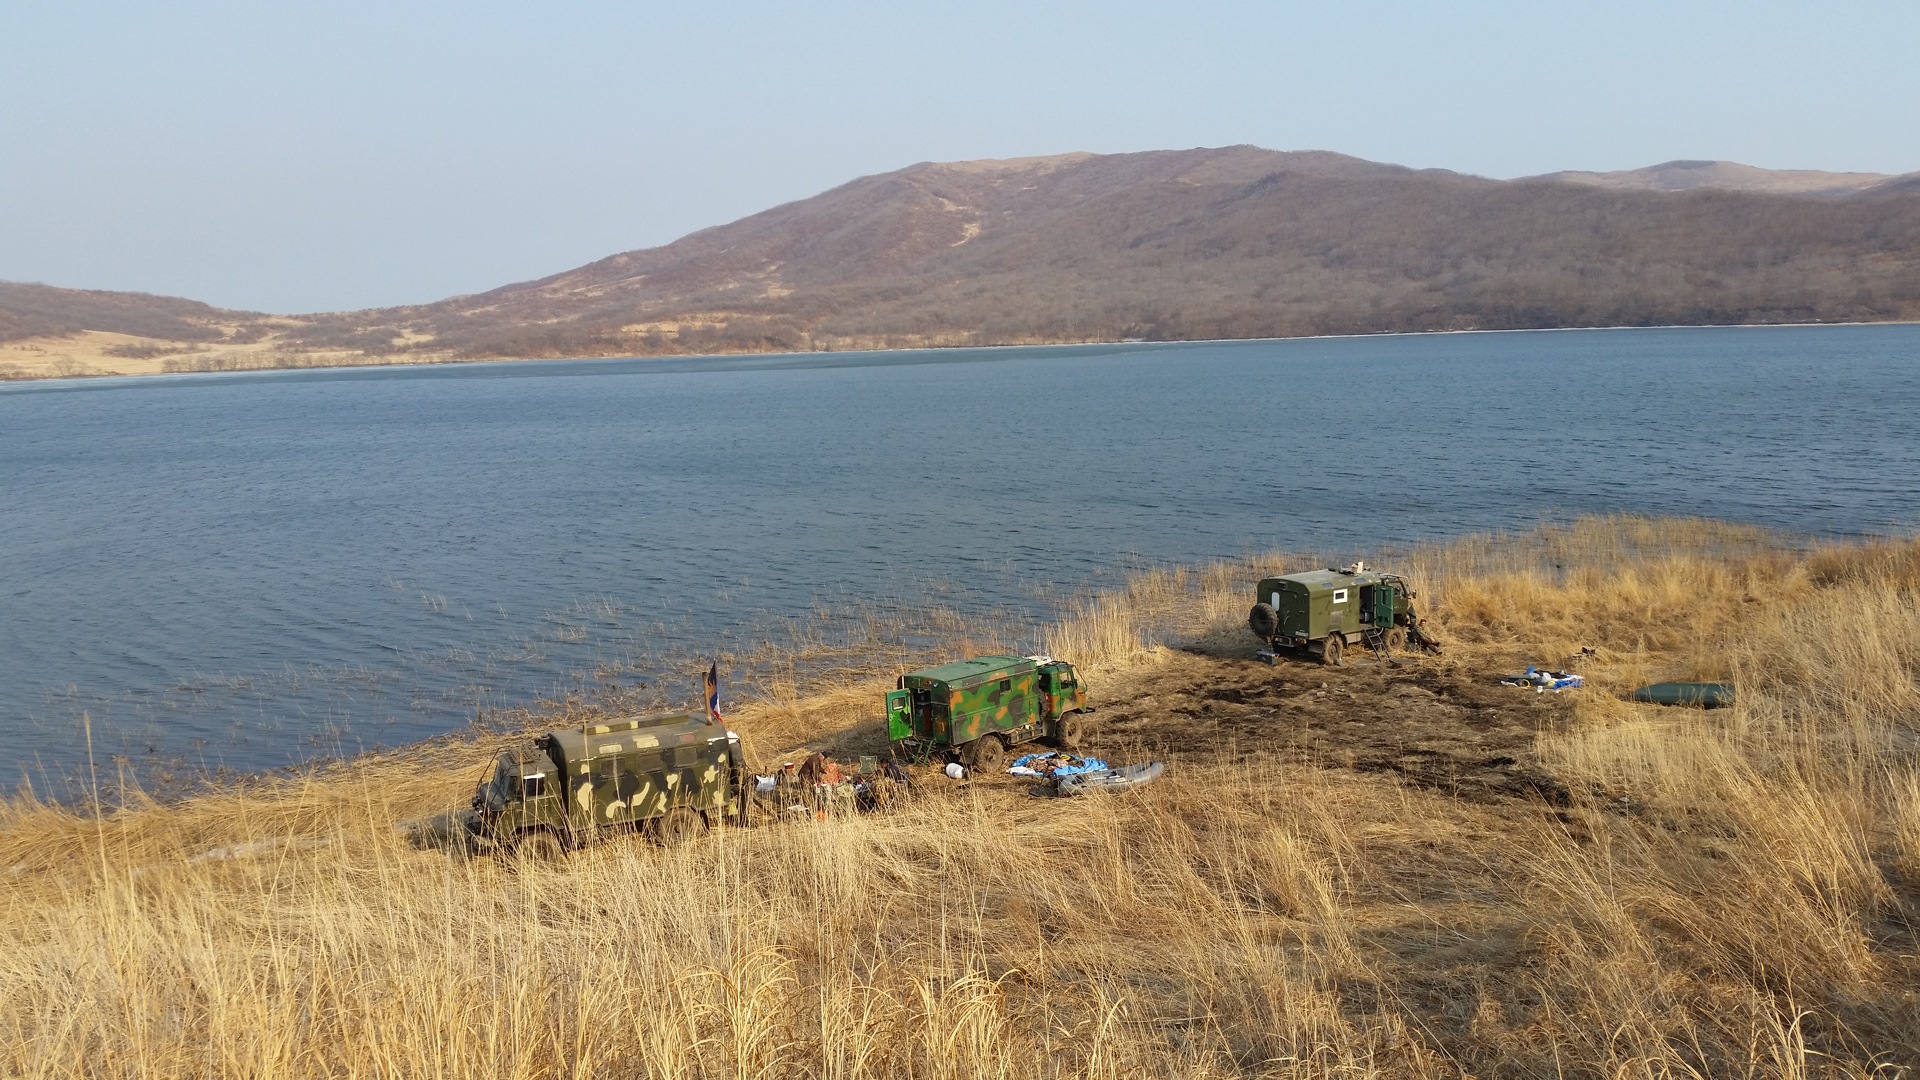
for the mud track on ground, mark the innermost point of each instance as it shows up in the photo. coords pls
(1420, 719)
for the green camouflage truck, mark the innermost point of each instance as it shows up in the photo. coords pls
(1321, 612)
(671, 776)
(975, 709)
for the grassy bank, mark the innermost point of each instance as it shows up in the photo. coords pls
(1714, 894)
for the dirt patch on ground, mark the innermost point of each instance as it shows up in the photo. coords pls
(1424, 721)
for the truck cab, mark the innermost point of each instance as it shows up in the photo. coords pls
(1061, 689)
(521, 793)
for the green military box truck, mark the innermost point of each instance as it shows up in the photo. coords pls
(1321, 612)
(671, 775)
(976, 709)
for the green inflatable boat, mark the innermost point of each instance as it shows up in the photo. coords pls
(1699, 695)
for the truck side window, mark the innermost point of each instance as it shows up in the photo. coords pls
(1006, 684)
(532, 787)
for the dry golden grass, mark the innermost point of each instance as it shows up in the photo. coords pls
(1745, 911)
(98, 352)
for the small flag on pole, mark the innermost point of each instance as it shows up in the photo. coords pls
(713, 692)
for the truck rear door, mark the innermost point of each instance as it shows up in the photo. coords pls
(899, 714)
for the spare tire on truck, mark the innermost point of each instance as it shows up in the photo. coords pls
(1263, 621)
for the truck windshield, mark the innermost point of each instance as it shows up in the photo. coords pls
(496, 790)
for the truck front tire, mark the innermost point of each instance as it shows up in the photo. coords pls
(538, 847)
(1070, 729)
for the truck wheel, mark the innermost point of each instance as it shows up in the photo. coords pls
(679, 826)
(1263, 621)
(986, 752)
(1396, 639)
(538, 847)
(1072, 728)
(1330, 651)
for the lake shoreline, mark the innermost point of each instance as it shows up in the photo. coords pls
(402, 361)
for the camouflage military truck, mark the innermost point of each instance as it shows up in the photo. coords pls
(1321, 612)
(976, 709)
(671, 776)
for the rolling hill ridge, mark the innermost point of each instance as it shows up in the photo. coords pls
(1170, 245)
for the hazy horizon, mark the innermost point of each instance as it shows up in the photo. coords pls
(308, 159)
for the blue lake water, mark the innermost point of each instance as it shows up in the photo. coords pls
(251, 569)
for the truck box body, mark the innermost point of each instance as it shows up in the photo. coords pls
(632, 770)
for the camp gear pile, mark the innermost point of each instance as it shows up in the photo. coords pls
(1542, 680)
(821, 787)
(1054, 765)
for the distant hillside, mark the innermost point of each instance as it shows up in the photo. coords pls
(28, 311)
(1207, 243)
(1728, 176)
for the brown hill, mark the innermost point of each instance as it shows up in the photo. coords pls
(1206, 243)
(1728, 176)
(28, 311)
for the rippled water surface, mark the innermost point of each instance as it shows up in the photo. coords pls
(252, 569)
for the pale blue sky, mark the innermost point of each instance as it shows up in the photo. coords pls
(299, 157)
